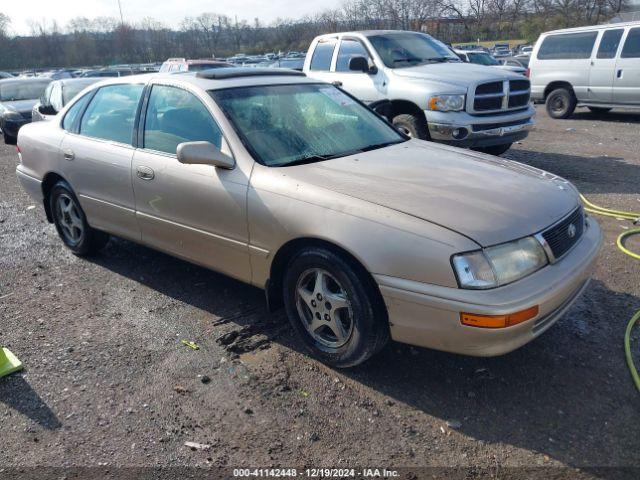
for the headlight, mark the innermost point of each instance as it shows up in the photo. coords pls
(447, 103)
(499, 265)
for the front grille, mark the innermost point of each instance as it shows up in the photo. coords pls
(490, 97)
(560, 238)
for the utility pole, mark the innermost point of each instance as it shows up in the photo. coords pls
(121, 17)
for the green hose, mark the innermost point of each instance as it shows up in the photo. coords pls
(595, 209)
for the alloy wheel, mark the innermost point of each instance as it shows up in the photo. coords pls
(69, 219)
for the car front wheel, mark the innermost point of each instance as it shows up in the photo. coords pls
(334, 308)
(561, 103)
(71, 222)
(413, 126)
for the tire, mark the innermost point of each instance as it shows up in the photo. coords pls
(412, 125)
(494, 149)
(599, 109)
(71, 222)
(9, 140)
(561, 103)
(341, 321)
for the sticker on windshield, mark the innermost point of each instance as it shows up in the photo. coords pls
(337, 96)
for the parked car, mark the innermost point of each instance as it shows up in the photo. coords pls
(296, 187)
(525, 50)
(57, 94)
(483, 58)
(174, 65)
(596, 67)
(4, 75)
(425, 89)
(107, 73)
(17, 98)
(290, 63)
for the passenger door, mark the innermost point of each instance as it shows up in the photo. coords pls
(626, 84)
(197, 212)
(97, 157)
(367, 87)
(603, 66)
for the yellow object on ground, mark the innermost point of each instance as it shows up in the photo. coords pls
(9, 363)
(635, 217)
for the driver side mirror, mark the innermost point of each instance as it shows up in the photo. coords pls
(361, 64)
(47, 110)
(204, 153)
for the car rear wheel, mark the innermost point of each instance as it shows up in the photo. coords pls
(413, 126)
(494, 149)
(599, 109)
(337, 313)
(71, 222)
(561, 103)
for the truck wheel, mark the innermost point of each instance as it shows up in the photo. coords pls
(561, 103)
(599, 109)
(334, 308)
(494, 149)
(412, 125)
(71, 222)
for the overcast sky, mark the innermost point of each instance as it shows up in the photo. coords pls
(169, 12)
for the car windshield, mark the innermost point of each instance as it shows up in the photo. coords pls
(482, 58)
(399, 50)
(285, 125)
(21, 90)
(72, 89)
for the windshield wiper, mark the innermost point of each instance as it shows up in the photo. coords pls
(321, 158)
(408, 59)
(376, 146)
(439, 59)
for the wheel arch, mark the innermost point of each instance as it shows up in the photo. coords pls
(293, 247)
(48, 181)
(398, 107)
(557, 84)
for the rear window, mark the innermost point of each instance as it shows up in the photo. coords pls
(322, 55)
(631, 47)
(570, 46)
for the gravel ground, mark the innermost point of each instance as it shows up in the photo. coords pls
(108, 383)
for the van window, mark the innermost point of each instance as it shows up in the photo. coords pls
(322, 55)
(175, 116)
(348, 50)
(609, 43)
(631, 47)
(568, 46)
(112, 112)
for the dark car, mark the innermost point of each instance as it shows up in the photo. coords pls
(57, 95)
(17, 98)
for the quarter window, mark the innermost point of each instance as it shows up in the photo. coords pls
(631, 47)
(609, 43)
(348, 50)
(112, 112)
(175, 116)
(322, 55)
(569, 46)
(70, 119)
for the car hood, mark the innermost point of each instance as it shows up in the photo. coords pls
(460, 74)
(21, 106)
(511, 68)
(488, 199)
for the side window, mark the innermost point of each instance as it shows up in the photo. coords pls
(70, 118)
(570, 46)
(322, 55)
(56, 97)
(111, 113)
(175, 116)
(631, 47)
(348, 50)
(609, 43)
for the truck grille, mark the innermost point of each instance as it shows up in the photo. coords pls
(501, 96)
(565, 234)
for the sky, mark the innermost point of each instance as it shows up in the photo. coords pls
(170, 12)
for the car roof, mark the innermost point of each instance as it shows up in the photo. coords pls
(366, 33)
(6, 81)
(595, 27)
(220, 78)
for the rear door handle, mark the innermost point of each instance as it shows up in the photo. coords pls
(145, 173)
(619, 75)
(68, 154)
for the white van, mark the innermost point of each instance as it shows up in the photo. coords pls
(596, 67)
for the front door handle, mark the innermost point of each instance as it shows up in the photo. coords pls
(68, 154)
(619, 75)
(145, 173)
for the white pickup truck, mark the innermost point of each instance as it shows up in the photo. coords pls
(424, 88)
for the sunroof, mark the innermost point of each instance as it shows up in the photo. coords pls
(237, 72)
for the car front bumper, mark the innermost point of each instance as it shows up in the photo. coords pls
(463, 130)
(429, 315)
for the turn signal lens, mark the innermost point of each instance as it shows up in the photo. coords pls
(498, 321)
